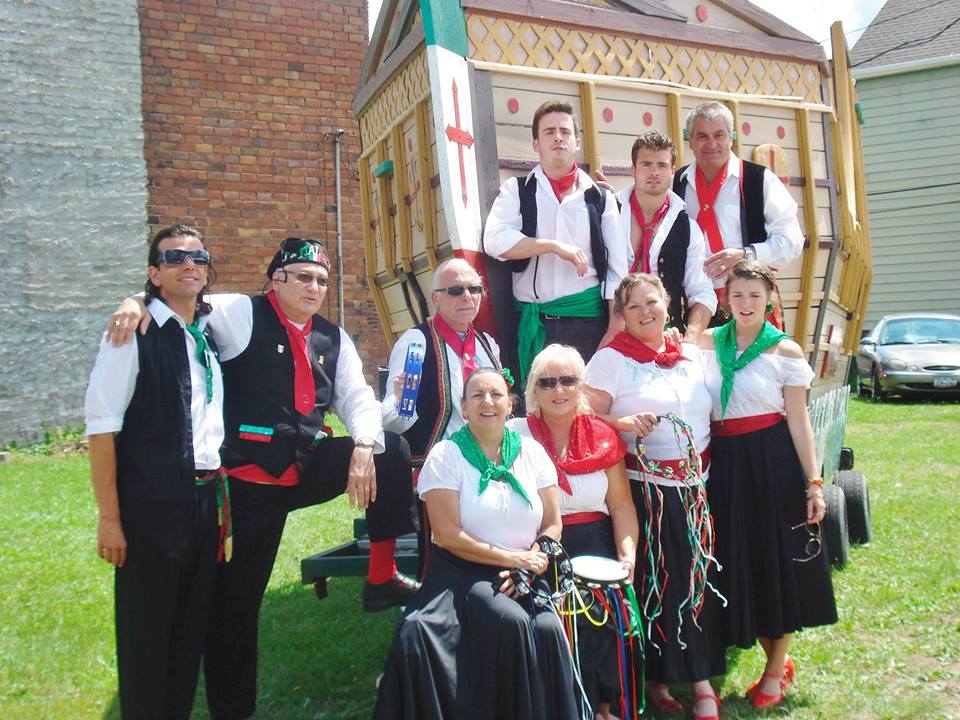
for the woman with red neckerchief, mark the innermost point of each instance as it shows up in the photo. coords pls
(595, 504)
(652, 391)
(765, 486)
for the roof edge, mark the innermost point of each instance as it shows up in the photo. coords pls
(907, 66)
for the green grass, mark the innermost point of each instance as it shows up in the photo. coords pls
(894, 654)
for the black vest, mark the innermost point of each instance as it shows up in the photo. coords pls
(261, 423)
(671, 265)
(753, 227)
(434, 400)
(596, 201)
(155, 447)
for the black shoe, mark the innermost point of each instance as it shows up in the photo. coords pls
(398, 590)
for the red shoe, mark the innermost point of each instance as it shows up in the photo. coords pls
(664, 703)
(789, 669)
(761, 700)
(706, 696)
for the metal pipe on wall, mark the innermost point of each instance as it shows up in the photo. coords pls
(338, 139)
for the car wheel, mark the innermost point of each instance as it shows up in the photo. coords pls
(876, 392)
(857, 496)
(835, 537)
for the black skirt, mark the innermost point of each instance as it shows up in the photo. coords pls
(465, 650)
(679, 646)
(757, 492)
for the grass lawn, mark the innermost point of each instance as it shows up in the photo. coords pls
(894, 654)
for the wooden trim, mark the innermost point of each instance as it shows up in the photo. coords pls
(762, 20)
(387, 229)
(370, 253)
(403, 191)
(588, 116)
(654, 9)
(582, 17)
(809, 265)
(367, 91)
(734, 107)
(379, 37)
(424, 173)
(675, 125)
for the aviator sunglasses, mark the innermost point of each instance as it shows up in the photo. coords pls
(549, 383)
(306, 278)
(813, 544)
(179, 257)
(458, 290)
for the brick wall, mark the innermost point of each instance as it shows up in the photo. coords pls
(241, 103)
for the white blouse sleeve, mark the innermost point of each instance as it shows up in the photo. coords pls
(546, 470)
(794, 372)
(441, 470)
(603, 371)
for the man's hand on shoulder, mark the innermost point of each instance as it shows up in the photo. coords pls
(131, 314)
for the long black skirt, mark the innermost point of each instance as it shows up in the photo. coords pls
(597, 646)
(466, 651)
(757, 492)
(680, 647)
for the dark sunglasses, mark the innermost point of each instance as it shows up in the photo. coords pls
(458, 290)
(549, 383)
(813, 546)
(179, 257)
(305, 278)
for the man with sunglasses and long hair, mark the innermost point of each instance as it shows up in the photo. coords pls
(284, 366)
(154, 418)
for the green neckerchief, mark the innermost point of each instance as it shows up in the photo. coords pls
(489, 470)
(203, 353)
(531, 334)
(725, 345)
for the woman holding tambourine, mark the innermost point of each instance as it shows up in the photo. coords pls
(599, 518)
(471, 646)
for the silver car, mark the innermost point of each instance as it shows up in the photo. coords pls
(910, 353)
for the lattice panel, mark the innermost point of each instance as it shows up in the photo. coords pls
(558, 48)
(396, 99)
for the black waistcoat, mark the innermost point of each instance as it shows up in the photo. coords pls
(155, 447)
(671, 265)
(434, 401)
(262, 425)
(753, 224)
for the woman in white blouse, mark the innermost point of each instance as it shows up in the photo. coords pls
(471, 647)
(597, 511)
(765, 490)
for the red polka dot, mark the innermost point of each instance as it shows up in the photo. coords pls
(702, 13)
(648, 119)
(781, 133)
(607, 114)
(513, 105)
(746, 128)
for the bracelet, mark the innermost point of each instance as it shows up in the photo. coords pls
(815, 481)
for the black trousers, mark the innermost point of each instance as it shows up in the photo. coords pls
(163, 596)
(259, 515)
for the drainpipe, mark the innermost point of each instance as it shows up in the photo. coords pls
(338, 140)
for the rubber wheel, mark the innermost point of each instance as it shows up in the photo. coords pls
(854, 486)
(835, 535)
(875, 392)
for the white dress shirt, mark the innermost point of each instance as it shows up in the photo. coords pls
(566, 222)
(231, 323)
(697, 285)
(394, 421)
(114, 379)
(784, 237)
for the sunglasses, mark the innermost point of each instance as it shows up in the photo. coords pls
(306, 278)
(458, 290)
(179, 257)
(813, 545)
(549, 383)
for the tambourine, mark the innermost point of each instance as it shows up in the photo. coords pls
(594, 571)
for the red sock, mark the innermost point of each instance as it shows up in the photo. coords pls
(383, 566)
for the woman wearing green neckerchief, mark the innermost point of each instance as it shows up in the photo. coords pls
(765, 491)
(470, 647)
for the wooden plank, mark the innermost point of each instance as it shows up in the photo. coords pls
(675, 126)
(807, 278)
(425, 167)
(387, 228)
(588, 118)
(370, 251)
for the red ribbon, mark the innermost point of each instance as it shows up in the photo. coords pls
(304, 390)
(582, 518)
(563, 183)
(465, 348)
(627, 345)
(633, 464)
(642, 258)
(593, 445)
(707, 217)
(730, 427)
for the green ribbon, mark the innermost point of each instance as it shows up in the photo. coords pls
(725, 344)
(203, 353)
(489, 470)
(532, 335)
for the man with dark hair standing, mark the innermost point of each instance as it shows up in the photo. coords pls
(561, 233)
(154, 417)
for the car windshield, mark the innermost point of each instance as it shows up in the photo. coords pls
(919, 331)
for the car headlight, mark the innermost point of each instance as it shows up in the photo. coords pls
(894, 365)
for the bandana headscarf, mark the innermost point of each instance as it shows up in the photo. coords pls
(489, 470)
(298, 250)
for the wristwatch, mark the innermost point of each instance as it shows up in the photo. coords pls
(749, 252)
(365, 443)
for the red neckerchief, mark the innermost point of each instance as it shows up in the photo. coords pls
(642, 257)
(707, 217)
(465, 348)
(593, 445)
(629, 346)
(304, 391)
(564, 183)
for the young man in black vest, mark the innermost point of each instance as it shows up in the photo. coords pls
(561, 233)
(154, 417)
(743, 208)
(662, 239)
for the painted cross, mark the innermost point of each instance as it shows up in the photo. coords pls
(462, 138)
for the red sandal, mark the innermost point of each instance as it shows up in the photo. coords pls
(665, 703)
(706, 696)
(789, 669)
(761, 700)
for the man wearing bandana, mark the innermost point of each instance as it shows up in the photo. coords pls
(743, 208)
(284, 366)
(561, 233)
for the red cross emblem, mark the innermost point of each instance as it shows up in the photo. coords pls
(462, 138)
